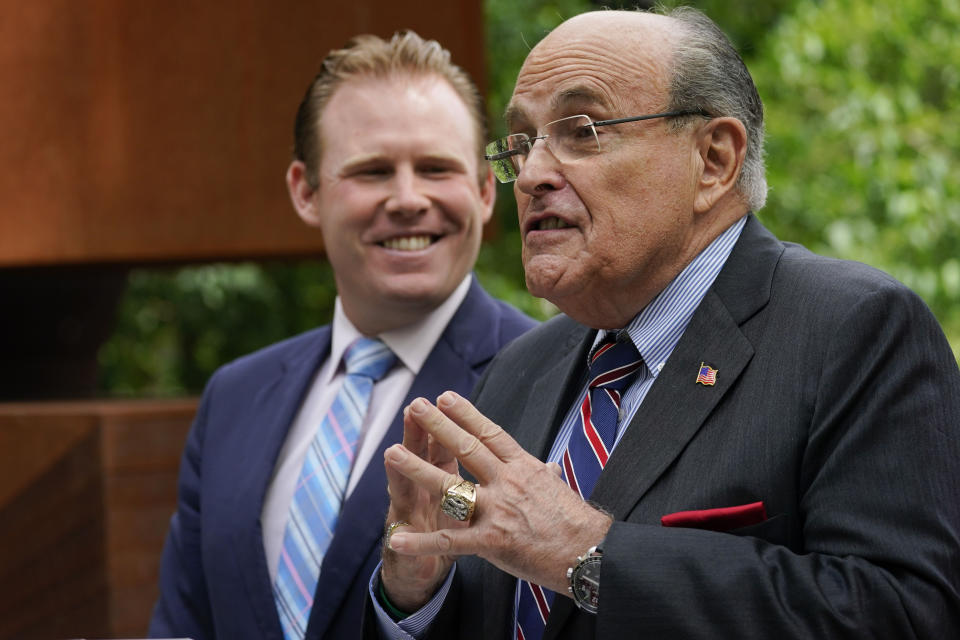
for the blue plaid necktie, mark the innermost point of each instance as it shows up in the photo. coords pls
(613, 367)
(323, 480)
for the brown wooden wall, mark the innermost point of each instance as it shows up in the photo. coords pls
(133, 131)
(86, 494)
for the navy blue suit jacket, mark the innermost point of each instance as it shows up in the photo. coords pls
(214, 581)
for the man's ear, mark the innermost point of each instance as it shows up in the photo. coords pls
(302, 194)
(488, 195)
(722, 148)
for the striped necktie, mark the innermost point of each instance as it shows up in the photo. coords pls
(323, 480)
(613, 367)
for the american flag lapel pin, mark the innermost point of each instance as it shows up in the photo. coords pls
(707, 375)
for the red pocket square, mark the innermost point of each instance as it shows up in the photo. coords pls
(723, 519)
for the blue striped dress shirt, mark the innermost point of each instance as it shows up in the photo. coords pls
(655, 332)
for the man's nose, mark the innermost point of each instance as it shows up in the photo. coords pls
(540, 171)
(407, 195)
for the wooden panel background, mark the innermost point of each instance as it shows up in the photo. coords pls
(161, 130)
(86, 494)
(130, 133)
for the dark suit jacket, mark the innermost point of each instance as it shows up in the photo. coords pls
(837, 404)
(214, 581)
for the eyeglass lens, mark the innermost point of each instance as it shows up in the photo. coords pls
(568, 139)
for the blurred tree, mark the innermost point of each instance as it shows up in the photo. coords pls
(175, 327)
(512, 29)
(861, 165)
(862, 160)
(746, 24)
(748, 29)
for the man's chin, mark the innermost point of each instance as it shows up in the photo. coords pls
(545, 277)
(416, 291)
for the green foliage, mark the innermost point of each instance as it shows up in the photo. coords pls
(748, 25)
(175, 327)
(501, 273)
(512, 28)
(862, 151)
(862, 155)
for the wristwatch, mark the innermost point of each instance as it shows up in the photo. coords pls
(584, 579)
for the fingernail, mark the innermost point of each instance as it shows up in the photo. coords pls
(395, 453)
(447, 399)
(397, 541)
(418, 406)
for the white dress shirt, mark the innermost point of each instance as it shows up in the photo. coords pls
(412, 345)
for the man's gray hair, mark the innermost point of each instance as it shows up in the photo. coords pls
(708, 74)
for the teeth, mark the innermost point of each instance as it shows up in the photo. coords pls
(409, 243)
(549, 224)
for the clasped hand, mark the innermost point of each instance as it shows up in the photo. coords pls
(527, 522)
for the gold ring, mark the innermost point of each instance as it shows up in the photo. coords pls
(393, 526)
(460, 500)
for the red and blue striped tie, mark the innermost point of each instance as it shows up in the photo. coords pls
(613, 367)
(319, 493)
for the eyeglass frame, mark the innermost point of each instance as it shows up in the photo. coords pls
(502, 155)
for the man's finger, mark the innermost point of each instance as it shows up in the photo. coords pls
(401, 490)
(461, 411)
(466, 447)
(425, 475)
(445, 542)
(440, 456)
(414, 438)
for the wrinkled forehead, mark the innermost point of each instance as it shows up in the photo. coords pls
(612, 62)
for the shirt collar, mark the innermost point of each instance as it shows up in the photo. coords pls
(411, 344)
(656, 330)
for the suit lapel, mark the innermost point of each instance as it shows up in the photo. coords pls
(547, 403)
(552, 394)
(464, 347)
(360, 525)
(273, 412)
(677, 406)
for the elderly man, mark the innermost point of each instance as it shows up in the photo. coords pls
(725, 436)
(280, 509)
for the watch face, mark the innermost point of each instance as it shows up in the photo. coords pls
(586, 584)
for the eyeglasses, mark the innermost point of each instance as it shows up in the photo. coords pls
(568, 139)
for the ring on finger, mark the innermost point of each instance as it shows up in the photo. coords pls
(393, 526)
(460, 500)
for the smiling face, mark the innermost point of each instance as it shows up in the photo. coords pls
(399, 200)
(602, 235)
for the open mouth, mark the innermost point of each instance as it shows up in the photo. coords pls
(409, 243)
(550, 224)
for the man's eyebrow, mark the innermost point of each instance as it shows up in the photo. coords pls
(513, 114)
(451, 160)
(361, 159)
(365, 159)
(579, 95)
